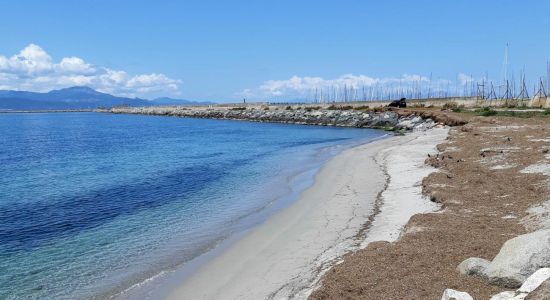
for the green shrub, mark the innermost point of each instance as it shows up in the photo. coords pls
(487, 112)
(458, 109)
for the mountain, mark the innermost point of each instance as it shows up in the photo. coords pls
(172, 101)
(78, 97)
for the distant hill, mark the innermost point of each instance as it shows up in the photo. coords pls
(78, 97)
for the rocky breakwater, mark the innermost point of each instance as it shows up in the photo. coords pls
(383, 119)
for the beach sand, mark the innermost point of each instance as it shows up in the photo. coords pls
(366, 192)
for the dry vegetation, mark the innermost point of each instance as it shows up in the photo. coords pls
(484, 197)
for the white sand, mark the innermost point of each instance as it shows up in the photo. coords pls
(403, 197)
(284, 257)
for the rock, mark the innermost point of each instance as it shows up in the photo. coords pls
(450, 294)
(474, 266)
(541, 293)
(519, 258)
(533, 283)
(508, 295)
(535, 280)
(332, 117)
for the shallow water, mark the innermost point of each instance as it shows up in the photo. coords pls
(91, 204)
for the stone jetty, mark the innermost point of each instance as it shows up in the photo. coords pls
(323, 116)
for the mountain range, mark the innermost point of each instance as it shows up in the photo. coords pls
(78, 97)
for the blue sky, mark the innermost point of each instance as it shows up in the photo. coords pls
(227, 50)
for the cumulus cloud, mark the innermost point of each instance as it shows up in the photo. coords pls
(360, 87)
(33, 69)
(464, 79)
(299, 87)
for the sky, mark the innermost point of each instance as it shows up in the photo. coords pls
(229, 50)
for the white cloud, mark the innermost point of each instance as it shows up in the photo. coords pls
(465, 79)
(28, 62)
(75, 65)
(297, 87)
(33, 69)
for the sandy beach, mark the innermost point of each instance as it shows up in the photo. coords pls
(369, 191)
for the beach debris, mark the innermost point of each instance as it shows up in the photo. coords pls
(518, 259)
(450, 294)
(529, 286)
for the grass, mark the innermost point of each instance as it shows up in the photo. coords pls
(487, 112)
(490, 112)
(458, 109)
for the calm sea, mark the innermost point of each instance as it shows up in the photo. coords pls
(91, 204)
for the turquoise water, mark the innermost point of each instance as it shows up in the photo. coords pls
(91, 204)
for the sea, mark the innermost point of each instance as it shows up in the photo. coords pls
(93, 205)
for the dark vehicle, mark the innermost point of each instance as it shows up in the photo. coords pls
(398, 103)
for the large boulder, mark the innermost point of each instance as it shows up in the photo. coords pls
(516, 261)
(519, 258)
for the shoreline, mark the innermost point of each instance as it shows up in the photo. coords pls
(299, 180)
(286, 255)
